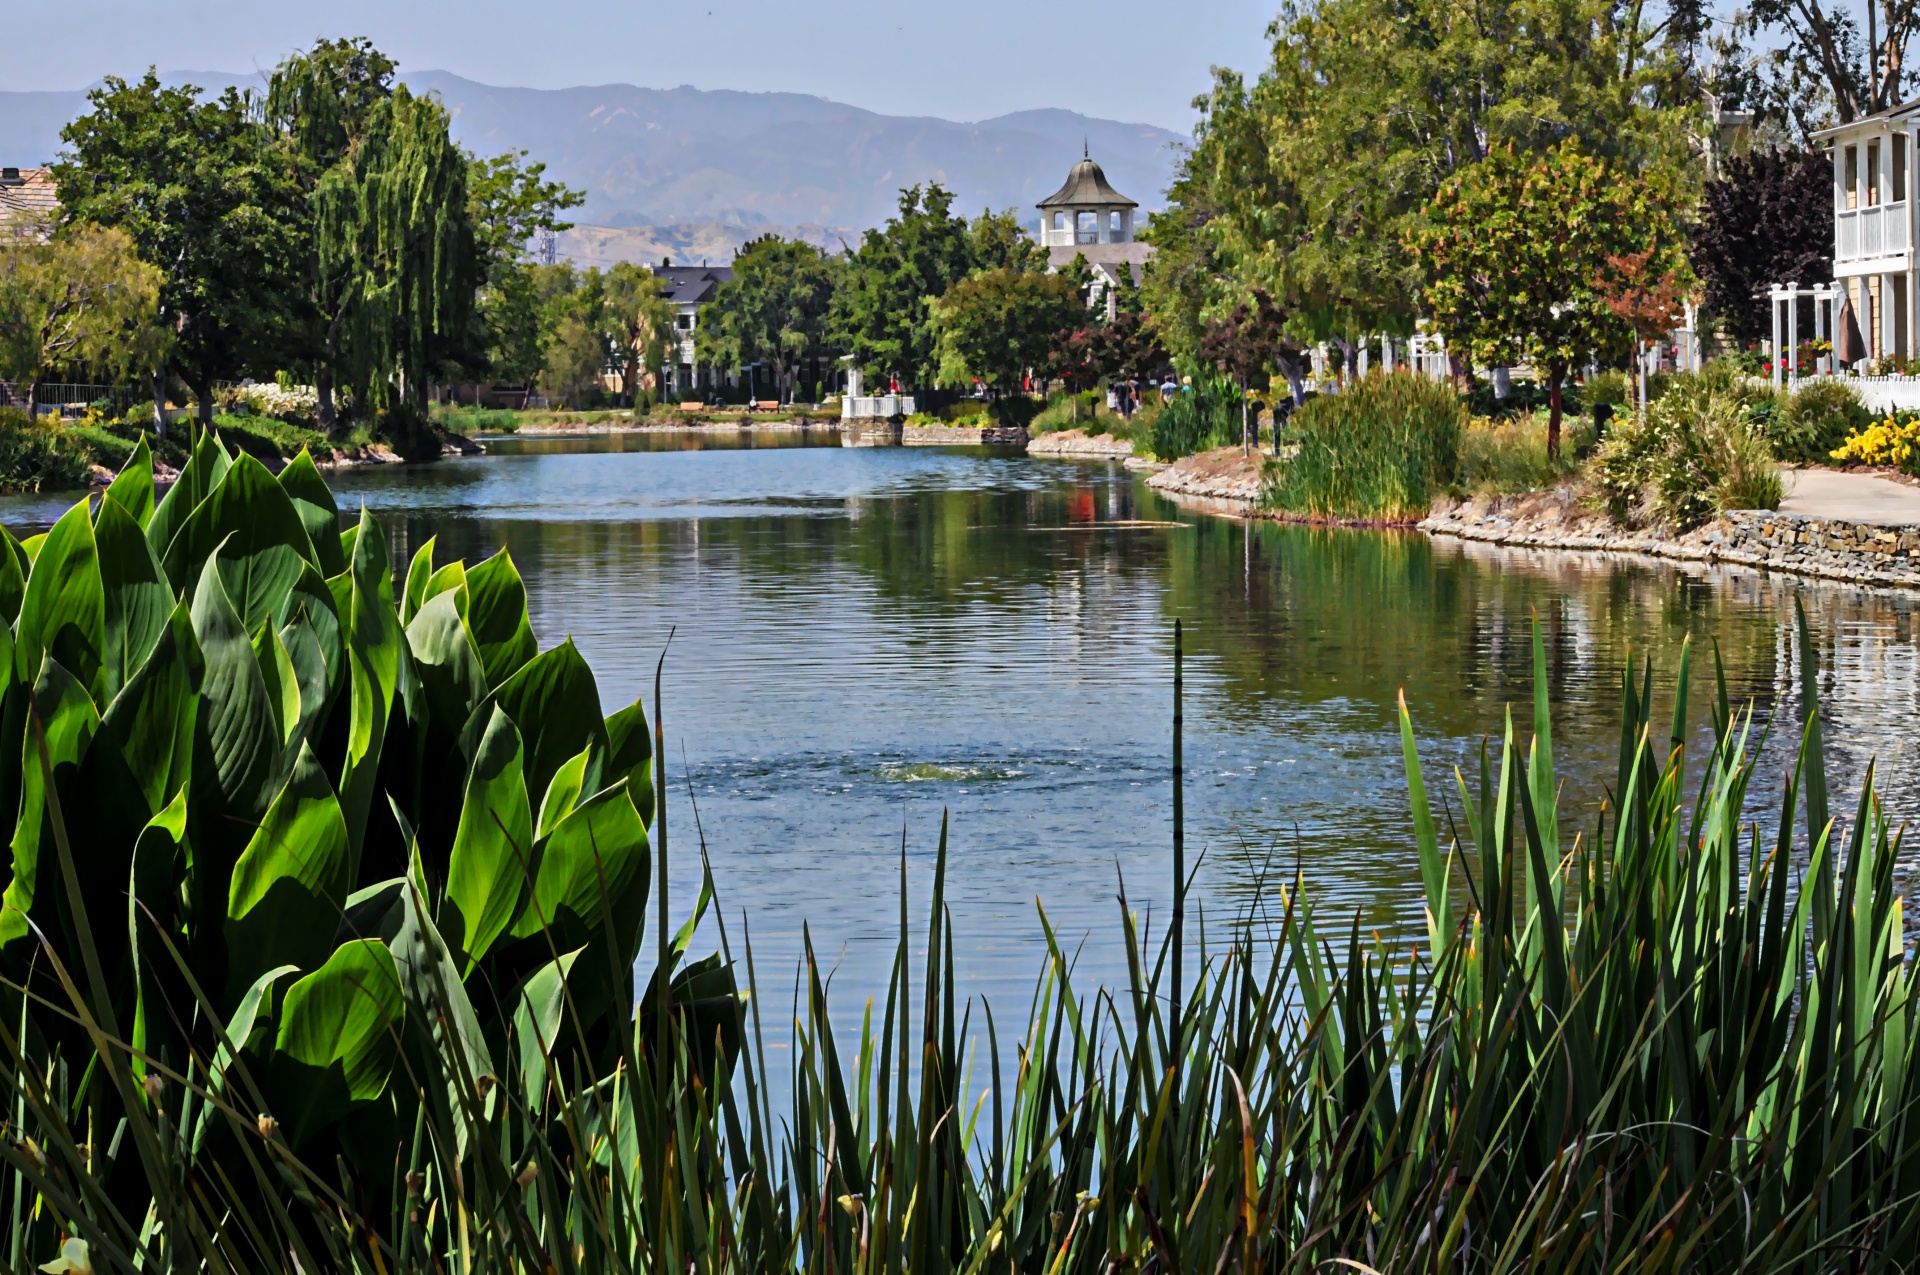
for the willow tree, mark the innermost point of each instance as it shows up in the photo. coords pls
(391, 275)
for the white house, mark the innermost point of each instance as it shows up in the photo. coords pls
(687, 288)
(1873, 230)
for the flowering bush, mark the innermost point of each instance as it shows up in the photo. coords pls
(1892, 441)
(292, 403)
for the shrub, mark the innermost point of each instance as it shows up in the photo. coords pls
(1610, 388)
(32, 457)
(1500, 457)
(1379, 450)
(1069, 411)
(1894, 441)
(1812, 421)
(1205, 415)
(1700, 449)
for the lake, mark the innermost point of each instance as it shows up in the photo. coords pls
(865, 638)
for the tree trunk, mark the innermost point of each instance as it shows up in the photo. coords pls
(1246, 436)
(157, 383)
(203, 400)
(323, 397)
(33, 400)
(1556, 377)
(1462, 370)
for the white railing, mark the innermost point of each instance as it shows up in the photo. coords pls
(877, 407)
(1862, 233)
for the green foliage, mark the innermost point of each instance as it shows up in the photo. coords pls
(1001, 324)
(774, 310)
(1518, 250)
(241, 837)
(32, 458)
(1204, 415)
(1811, 422)
(1702, 449)
(1509, 456)
(84, 298)
(1610, 388)
(882, 313)
(213, 204)
(1379, 450)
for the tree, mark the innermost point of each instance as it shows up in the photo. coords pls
(208, 198)
(1245, 344)
(996, 241)
(1824, 45)
(83, 298)
(509, 204)
(882, 313)
(774, 310)
(1516, 253)
(392, 271)
(1767, 219)
(998, 325)
(575, 332)
(643, 320)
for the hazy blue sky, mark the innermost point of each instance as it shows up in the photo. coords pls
(1136, 60)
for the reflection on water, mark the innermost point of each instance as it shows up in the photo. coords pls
(863, 638)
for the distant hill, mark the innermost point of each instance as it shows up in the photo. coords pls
(706, 170)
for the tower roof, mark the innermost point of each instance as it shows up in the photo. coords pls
(1086, 187)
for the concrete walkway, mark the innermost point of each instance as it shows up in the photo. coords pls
(1825, 493)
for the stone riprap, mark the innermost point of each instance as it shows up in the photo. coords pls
(1826, 548)
(1225, 478)
(964, 436)
(1077, 442)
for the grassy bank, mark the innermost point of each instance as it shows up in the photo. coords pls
(321, 943)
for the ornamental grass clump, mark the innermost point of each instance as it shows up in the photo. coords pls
(1378, 451)
(1701, 449)
(1203, 415)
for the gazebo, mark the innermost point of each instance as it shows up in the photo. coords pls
(1086, 210)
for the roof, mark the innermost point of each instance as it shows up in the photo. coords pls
(1086, 186)
(27, 193)
(1880, 116)
(691, 285)
(1104, 257)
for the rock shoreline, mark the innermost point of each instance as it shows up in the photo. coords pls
(1078, 443)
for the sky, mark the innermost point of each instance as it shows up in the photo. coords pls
(1133, 60)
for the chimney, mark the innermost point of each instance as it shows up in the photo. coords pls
(10, 176)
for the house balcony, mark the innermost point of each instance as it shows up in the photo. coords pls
(1867, 234)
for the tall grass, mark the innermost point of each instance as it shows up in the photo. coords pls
(1206, 414)
(1379, 450)
(1680, 1040)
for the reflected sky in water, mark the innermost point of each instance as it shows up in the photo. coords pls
(865, 638)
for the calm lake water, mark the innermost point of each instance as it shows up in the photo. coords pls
(863, 639)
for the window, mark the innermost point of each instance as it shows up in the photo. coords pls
(1087, 227)
(686, 323)
(1898, 189)
(1852, 174)
(1113, 222)
(1873, 174)
(1059, 221)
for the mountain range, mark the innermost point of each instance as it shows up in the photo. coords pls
(700, 171)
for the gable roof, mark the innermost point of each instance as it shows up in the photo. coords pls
(1086, 185)
(1884, 114)
(27, 193)
(691, 285)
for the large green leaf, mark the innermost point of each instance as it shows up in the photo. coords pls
(313, 501)
(312, 601)
(437, 997)
(536, 1022)
(339, 1033)
(237, 747)
(563, 793)
(64, 612)
(144, 752)
(451, 578)
(160, 858)
(493, 848)
(445, 660)
(138, 597)
(597, 852)
(204, 470)
(374, 651)
(310, 675)
(13, 576)
(497, 614)
(252, 524)
(556, 705)
(282, 682)
(62, 713)
(418, 574)
(132, 487)
(287, 891)
(630, 756)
